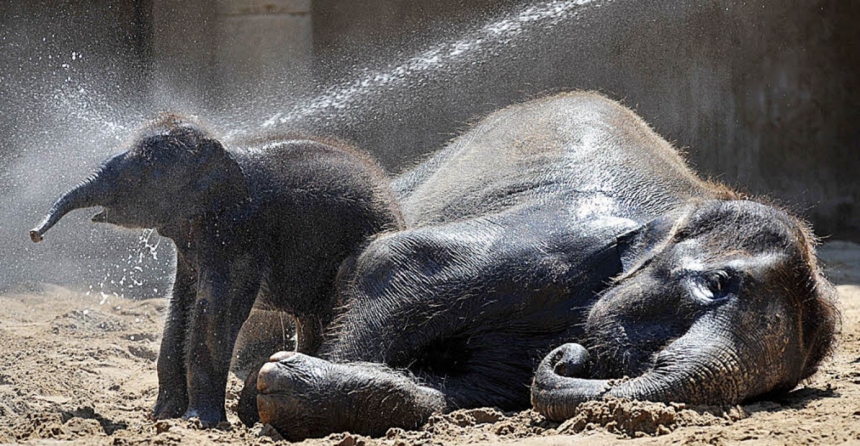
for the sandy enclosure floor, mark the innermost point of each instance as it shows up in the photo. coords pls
(72, 370)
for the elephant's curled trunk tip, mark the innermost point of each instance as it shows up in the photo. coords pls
(36, 236)
(37, 233)
(89, 193)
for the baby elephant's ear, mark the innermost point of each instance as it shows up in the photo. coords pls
(639, 245)
(218, 177)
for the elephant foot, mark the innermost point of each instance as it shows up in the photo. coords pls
(169, 407)
(299, 395)
(209, 416)
(302, 397)
(247, 409)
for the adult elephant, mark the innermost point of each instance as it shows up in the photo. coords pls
(561, 236)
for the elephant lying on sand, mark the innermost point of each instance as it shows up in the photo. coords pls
(559, 243)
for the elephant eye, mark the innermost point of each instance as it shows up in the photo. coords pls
(711, 286)
(717, 280)
(717, 283)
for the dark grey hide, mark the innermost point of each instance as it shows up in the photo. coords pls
(270, 222)
(558, 244)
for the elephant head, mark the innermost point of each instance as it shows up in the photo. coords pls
(173, 171)
(717, 303)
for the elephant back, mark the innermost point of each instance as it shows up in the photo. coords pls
(578, 149)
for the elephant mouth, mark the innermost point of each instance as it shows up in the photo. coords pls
(119, 217)
(592, 363)
(605, 356)
(100, 217)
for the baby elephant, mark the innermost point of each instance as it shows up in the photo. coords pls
(274, 221)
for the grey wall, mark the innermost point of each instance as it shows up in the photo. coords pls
(225, 54)
(764, 95)
(46, 46)
(348, 33)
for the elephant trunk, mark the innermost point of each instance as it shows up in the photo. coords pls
(87, 194)
(702, 367)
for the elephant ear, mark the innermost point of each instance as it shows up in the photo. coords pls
(638, 246)
(218, 180)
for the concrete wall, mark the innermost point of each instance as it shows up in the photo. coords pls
(763, 94)
(348, 32)
(220, 55)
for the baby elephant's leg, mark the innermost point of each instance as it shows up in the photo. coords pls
(303, 396)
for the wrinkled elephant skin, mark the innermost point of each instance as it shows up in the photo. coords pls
(269, 222)
(560, 243)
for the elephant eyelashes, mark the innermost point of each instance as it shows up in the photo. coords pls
(718, 281)
(711, 287)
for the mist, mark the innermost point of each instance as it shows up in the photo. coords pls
(761, 95)
(78, 105)
(58, 123)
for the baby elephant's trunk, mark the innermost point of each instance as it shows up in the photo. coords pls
(87, 194)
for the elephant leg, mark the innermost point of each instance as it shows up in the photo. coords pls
(172, 391)
(264, 333)
(488, 366)
(469, 307)
(226, 293)
(303, 396)
(247, 408)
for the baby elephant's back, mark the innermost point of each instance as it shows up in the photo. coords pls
(295, 177)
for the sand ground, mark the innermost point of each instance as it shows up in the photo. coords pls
(75, 371)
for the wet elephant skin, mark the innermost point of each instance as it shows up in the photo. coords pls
(555, 248)
(558, 246)
(268, 222)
